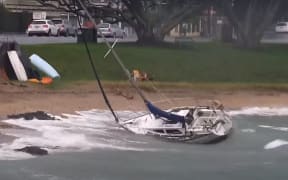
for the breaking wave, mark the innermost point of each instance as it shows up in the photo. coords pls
(96, 129)
(82, 131)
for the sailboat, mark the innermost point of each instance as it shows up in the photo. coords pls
(202, 124)
(197, 124)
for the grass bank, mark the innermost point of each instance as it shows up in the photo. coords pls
(205, 63)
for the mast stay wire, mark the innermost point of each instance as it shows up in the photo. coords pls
(117, 58)
(94, 68)
(164, 96)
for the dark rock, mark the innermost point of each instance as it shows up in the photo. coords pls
(33, 150)
(31, 115)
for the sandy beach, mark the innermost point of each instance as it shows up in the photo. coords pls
(20, 98)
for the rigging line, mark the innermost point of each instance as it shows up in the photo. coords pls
(94, 68)
(170, 101)
(132, 82)
(117, 58)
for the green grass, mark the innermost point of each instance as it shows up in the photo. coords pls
(200, 63)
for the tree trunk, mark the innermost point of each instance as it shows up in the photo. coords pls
(257, 18)
(249, 43)
(146, 36)
(250, 39)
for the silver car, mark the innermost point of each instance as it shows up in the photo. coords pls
(110, 30)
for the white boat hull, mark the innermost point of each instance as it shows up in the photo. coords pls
(212, 125)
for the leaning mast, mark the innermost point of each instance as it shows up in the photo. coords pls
(114, 53)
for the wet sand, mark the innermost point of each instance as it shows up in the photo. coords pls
(20, 98)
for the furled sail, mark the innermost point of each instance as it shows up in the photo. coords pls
(160, 113)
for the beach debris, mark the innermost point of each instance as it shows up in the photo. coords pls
(14, 64)
(44, 80)
(43, 66)
(40, 115)
(119, 92)
(33, 150)
(216, 104)
(138, 75)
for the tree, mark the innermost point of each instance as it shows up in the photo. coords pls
(3, 14)
(151, 19)
(250, 18)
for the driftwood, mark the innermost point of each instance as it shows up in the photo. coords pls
(119, 92)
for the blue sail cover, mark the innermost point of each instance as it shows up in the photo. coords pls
(160, 113)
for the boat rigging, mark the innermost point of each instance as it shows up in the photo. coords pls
(203, 124)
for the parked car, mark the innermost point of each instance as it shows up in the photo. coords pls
(110, 30)
(281, 27)
(42, 27)
(65, 28)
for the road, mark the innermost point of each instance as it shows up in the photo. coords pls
(24, 39)
(275, 38)
(269, 37)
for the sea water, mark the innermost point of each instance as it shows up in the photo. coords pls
(90, 146)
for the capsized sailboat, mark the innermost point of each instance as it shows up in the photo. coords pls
(203, 124)
(197, 124)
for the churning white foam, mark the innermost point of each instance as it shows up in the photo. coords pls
(95, 129)
(261, 111)
(82, 131)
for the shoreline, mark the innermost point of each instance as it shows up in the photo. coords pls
(21, 98)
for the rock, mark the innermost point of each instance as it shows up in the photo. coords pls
(33, 150)
(31, 115)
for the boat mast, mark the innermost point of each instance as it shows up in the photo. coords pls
(114, 53)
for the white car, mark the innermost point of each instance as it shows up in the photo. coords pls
(281, 27)
(42, 27)
(110, 30)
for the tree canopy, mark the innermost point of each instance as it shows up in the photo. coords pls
(151, 19)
